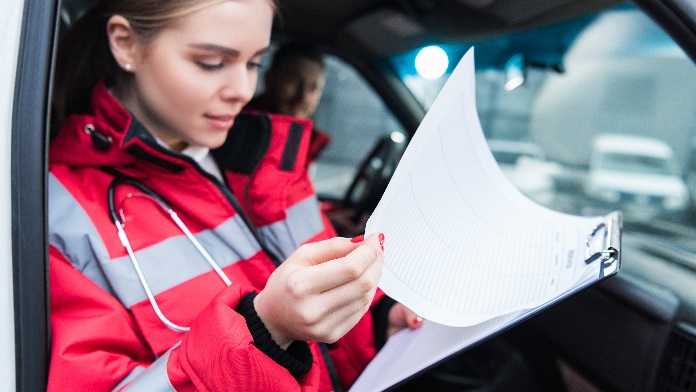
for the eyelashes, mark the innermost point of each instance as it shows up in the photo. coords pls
(209, 67)
(217, 66)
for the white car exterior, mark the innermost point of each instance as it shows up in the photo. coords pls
(638, 175)
(10, 29)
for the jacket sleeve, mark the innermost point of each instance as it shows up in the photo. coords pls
(219, 353)
(97, 346)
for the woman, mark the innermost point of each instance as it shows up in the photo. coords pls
(146, 92)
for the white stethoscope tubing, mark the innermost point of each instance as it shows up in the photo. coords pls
(126, 244)
(199, 247)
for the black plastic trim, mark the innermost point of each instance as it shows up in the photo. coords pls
(677, 18)
(28, 186)
(292, 146)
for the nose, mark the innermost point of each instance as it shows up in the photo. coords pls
(239, 85)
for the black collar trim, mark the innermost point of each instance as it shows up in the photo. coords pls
(137, 134)
(246, 144)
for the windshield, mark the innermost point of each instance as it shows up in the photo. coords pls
(563, 87)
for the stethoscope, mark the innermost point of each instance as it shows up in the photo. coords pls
(119, 221)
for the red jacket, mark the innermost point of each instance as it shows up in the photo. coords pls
(318, 141)
(105, 333)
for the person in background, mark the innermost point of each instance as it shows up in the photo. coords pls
(233, 291)
(293, 85)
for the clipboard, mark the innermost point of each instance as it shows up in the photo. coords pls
(610, 253)
(603, 245)
(467, 250)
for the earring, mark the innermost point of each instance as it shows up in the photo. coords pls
(127, 66)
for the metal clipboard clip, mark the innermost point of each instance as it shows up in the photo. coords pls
(609, 253)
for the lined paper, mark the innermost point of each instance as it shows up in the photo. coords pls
(464, 248)
(463, 245)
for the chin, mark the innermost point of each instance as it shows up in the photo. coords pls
(215, 145)
(211, 143)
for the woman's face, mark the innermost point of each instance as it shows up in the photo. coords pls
(193, 79)
(296, 87)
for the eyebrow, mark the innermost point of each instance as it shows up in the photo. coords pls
(225, 50)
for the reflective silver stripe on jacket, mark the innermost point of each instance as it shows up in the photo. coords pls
(130, 377)
(181, 260)
(302, 223)
(153, 378)
(73, 233)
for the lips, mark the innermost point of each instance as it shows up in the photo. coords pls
(221, 122)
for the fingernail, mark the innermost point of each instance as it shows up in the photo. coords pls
(381, 241)
(419, 320)
(357, 239)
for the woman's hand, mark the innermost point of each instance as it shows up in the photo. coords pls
(321, 291)
(401, 317)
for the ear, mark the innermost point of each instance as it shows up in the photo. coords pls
(122, 42)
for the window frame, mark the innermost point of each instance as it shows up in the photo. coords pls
(28, 179)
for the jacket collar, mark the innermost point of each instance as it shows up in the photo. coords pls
(133, 148)
(129, 141)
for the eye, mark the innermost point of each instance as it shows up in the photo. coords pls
(254, 65)
(209, 66)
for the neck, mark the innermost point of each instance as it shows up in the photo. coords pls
(123, 92)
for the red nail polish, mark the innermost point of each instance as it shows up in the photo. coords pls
(357, 239)
(381, 241)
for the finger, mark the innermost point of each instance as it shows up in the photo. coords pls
(413, 320)
(338, 322)
(405, 317)
(401, 317)
(361, 290)
(322, 251)
(348, 268)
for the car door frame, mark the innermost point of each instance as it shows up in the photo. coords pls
(28, 183)
(28, 173)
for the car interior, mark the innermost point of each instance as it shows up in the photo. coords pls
(589, 68)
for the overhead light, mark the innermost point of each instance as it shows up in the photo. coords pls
(431, 62)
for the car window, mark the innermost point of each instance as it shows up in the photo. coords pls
(356, 118)
(611, 73)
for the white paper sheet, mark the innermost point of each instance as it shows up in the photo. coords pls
(464, 248)
(463, 245)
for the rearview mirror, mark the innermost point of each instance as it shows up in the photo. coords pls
(515, 72)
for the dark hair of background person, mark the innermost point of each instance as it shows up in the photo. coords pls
(295, 49)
